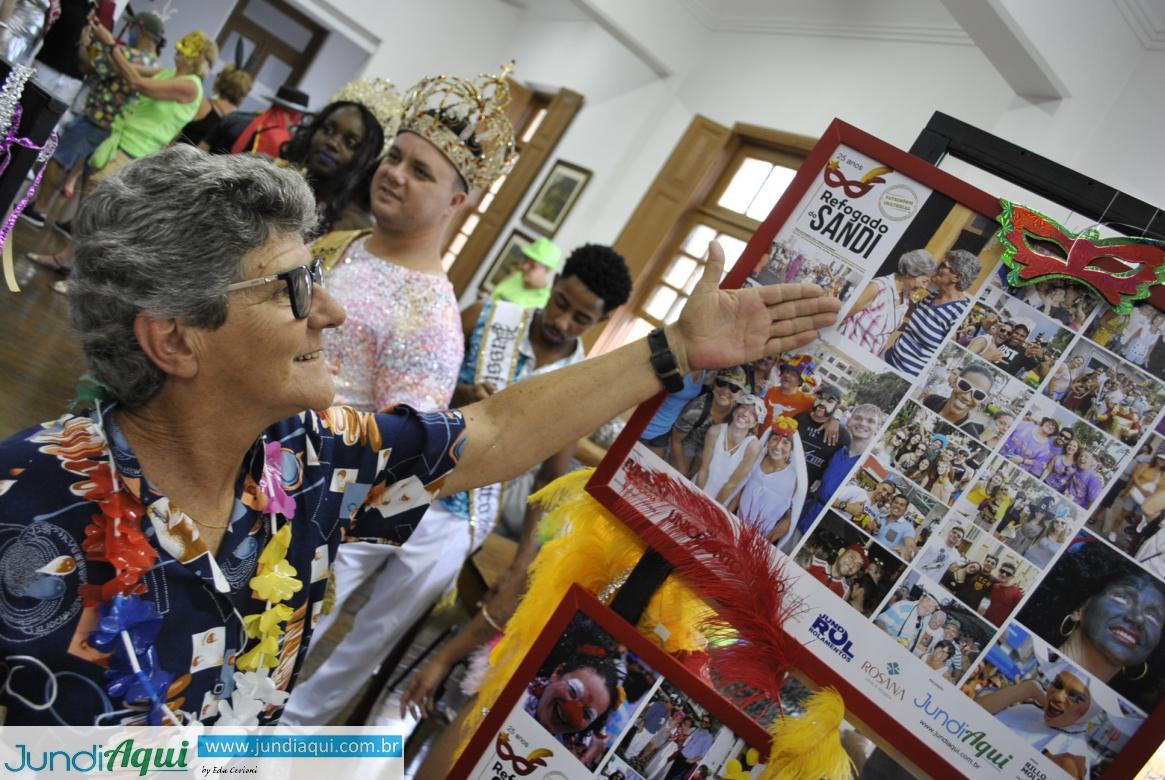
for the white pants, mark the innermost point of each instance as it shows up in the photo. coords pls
(414, 578)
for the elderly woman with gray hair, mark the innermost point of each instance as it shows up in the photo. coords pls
(166, 554)
(882, 306)
(931, 319)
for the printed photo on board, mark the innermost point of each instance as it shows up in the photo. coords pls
(798, 261)
(587, 690)
(886, 506)
(771, 441)
(999, 497)
(1138, 337)
(849, 563)
(1008, 334)
(936, 456)
(1051, 703)
(1120, 399)
(933, 626)
(991, 580)
(1068, 455)
(966, 391)
(673, 736)
(1067, 302)
(1131, 516)
(1103, 612)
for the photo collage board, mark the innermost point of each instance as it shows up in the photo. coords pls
(964, 475)
(595, 699)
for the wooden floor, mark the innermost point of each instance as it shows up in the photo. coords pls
(40, 361)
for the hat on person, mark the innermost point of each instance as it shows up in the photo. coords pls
(829, 389)
(152, 24)
(758, 406)
(380, 97)
(784, 426)
(860, 551)
(736, 375)
(290, 97)
(467, 122)
(543, 251)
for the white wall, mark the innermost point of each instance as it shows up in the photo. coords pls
(631, 119)
(462, 37)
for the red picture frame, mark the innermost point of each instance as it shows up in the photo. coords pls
(578, 600)
(901, 736)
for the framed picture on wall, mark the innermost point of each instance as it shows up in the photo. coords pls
(555, 198)
(508, 260)
(908, 539)
(639, 699)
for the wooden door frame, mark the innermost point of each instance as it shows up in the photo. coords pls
(559, 114)
(266, 45)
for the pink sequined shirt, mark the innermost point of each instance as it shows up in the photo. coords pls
(402, 341)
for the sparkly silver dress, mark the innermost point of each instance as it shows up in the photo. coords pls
(26, 28)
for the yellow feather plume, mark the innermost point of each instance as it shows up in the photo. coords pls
(590, 546)
(809, 747)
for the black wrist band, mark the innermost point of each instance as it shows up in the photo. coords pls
(664, 362)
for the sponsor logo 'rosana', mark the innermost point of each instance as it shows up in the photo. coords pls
(833, 635)
(958, 729)
(885, 679)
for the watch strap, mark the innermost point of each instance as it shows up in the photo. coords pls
(663, 362)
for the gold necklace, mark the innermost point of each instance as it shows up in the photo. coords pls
(208, 525)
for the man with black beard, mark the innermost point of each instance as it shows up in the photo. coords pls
(811, 426)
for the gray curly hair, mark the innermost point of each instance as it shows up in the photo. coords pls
(965, 265)
(167, 234)
(916, 262)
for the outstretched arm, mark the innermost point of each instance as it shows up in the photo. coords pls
(527, 422)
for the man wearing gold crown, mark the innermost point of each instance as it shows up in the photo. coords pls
(404, 344)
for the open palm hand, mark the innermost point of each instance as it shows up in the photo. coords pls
(720, 328)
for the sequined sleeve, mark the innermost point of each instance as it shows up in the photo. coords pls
(419, 367)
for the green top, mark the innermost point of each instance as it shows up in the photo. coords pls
(512, 289)
(146, 125)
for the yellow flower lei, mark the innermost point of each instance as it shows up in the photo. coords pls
(276, 582)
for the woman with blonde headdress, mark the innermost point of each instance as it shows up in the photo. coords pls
(774, 492)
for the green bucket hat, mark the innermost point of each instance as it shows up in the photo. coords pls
(543, 251)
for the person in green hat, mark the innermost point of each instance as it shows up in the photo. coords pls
(530, 285)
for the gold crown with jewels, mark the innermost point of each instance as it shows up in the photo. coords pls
(466, 121)
(380, 97)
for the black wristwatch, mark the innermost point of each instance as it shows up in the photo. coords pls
(664, 362)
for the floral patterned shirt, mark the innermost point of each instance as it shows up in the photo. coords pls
(108, 91)
(352, 476)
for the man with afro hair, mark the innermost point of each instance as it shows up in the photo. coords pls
(504, 343)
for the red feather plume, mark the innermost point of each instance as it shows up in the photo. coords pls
(733, 566)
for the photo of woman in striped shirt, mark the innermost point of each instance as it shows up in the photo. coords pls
(931, 319)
